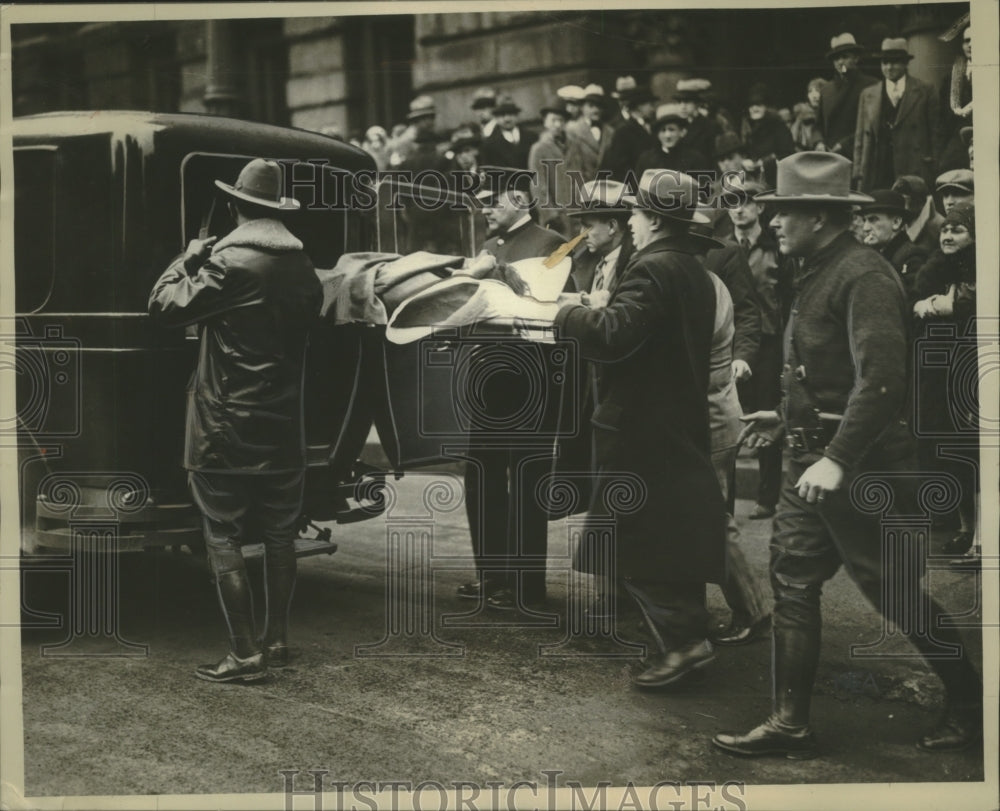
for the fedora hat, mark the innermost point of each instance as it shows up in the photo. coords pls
(602, 197)
(557, 106)
(669, 113)
(889, 202)
(692, 89)
(814, 177)
(421, 107)
(961, 179)
(894, 49)
(843, 44)
(758, 94)
(505, 105)
(260, 183)
(464, 138)
(624, 85)
(668, 193)
(483, 97)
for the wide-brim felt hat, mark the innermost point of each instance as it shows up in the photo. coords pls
(505, 105)
(557, 106)
(260, 183)
(668, 193)
(484, 97)
(814, 177)
(843, 44)
(894, 49)
(886, 201)
(604, 198)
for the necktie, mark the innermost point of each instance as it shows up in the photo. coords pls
(599, 279)
(894, 94)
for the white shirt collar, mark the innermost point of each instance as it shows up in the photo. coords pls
(512, 136)
(899, 85)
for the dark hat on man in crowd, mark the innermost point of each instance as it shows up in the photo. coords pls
(726, 144)
(260, 183)
(557, 106)
(421, 107)
(914, 190)
(464, 138)
(628, 91)
(483, 97)
(814, 177)
(843, 44)
(668, 193)
(692, 89)
(605, 198)
(886, 201)
(669, 113)
(505, 105)
(758, 94)
(963, 214)
(961, 179)
(893, 50)
(499, 179)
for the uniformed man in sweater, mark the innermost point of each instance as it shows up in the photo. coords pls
(844, 413)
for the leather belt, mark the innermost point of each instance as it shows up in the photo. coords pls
(807, 439)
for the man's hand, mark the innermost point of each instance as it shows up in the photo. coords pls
(819, 479)
(741, 370)
(199, 250)
(598, 300)
(763, 430)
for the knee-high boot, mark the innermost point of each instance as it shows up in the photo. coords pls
(279, 577)
(245, 661)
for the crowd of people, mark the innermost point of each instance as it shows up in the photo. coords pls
(790, 319)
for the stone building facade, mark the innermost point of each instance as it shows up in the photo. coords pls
(343, 73)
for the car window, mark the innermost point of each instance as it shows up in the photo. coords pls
(34, 226)
(426, 218)
(327, 225)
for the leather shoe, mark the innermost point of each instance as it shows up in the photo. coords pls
(958, 729)
(770, 738)
(740, 634)
(506, 600)
(759, 512)
(232, 668)
(275, 654)
(474, 590)
(670, 667)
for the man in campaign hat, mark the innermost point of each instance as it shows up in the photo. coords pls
(846, 392)
(254, 295)
(837, 112)
(650, 346)
(894, 133)
(885, 221)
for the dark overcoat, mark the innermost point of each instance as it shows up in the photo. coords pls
(837, 114)
(651, 348)
(254, 301)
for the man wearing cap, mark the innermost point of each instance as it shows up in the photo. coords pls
(420, 150)
(547, 164)
(483, 102)
(635, 135)
(254, 295)
(886, 218)
(507, 145)
(837, 112)
(844, 413)
(894, 133)
(954, 187)
(925, 223)
(651, 346)
(675, 151)
(507, 523)
(589, 136)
